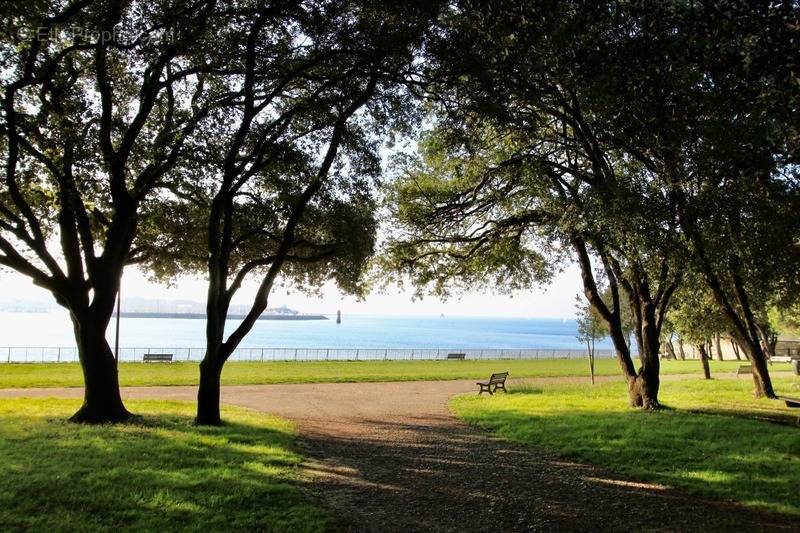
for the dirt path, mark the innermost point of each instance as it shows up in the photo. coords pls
(390, 457)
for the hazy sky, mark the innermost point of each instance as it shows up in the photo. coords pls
(556, 300)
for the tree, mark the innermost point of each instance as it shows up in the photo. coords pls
(697, 318)
(744, 268)
(98, 101)
(684, 91)
(491, 215)
(718, 124)
(285, 183)
(704, 357)
(785, 318)
(667, 334)
(591, 328)
(524, 165)
(677, 104)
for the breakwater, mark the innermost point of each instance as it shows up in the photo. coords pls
(202, 316)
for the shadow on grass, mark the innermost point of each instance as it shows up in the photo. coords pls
(736, 458)
(436, 474)
(159, 473)
(780, 418)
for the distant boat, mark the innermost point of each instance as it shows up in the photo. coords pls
(441, 316)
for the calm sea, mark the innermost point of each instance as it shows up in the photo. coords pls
(54, 329)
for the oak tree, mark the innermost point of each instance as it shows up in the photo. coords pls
(283, 178)
(98, 100)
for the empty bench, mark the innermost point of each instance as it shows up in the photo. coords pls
(794, 360)
(456, 356)
(157, 358)
(793, 403)
(496, 381)
(744, 369)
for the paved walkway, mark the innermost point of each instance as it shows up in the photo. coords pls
(390, 457)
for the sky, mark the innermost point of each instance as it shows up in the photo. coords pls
(557, 300)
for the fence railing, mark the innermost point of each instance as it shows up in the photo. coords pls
(45, 354)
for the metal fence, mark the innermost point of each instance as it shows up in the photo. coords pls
(22, 354)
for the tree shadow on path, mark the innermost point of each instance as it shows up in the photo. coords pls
(437, 474)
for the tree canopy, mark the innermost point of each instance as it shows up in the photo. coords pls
(636, 134)
(99, 100)
(283, 177)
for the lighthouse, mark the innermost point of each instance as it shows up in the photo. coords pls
(338, 316)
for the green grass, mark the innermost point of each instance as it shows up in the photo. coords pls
(713, 440)
(242, 373)
(159, 473)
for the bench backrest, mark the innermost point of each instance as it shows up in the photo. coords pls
(456, 355)
(500, 377)
(159, 357)
(745, 369)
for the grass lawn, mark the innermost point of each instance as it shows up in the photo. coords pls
(713, 439)
(160, 473)
(242, 373)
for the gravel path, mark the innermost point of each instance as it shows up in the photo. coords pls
(390, 457)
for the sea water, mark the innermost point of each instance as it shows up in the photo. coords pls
(53, 329)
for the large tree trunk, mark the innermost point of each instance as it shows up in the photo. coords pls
(643, 390)
(643, 387)
(102, 402)
(758, 359)
(718, 346)
(704, 360)
(761, 379)
(208, 394)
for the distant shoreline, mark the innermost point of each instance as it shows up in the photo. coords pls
(202, 316)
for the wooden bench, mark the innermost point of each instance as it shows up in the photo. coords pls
(744, 369)
(793, 403)
(157, 358)
(496, 381)
(456, 356)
